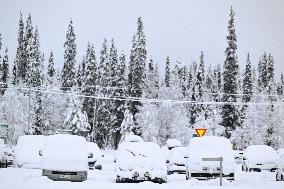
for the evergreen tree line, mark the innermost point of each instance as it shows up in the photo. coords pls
(91, 97)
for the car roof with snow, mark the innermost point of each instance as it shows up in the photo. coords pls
(171, 143)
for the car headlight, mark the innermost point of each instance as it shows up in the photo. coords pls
(90, 155)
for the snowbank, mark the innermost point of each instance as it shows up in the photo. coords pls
(211, 147)
(27, 151)
(65, 153)
(261, 154)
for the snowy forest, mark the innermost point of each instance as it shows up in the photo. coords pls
(109, 94)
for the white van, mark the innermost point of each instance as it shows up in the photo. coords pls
(210, 147)
(65, 158)
(27, 151)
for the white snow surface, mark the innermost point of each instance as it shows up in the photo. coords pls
(65, 153)
(27, 151)
(210, 147)
(17, 178)
(261, 154)
(171, 143)
(177, 155)
(140, 154)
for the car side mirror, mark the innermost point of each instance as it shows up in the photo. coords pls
(244, 158)
(167, 161)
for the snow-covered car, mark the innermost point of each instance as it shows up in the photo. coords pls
(176, 160)
(27, 151)
(140, 161)
(280, 151)
(210, 147)
(3, 157)
(9, 156)
(280, 168)
(238, 156)
(259, 157)
(65, 158)
(95, 156)
(172, 143)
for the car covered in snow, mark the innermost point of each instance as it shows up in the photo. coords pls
(176, 160)
(280, 168)
(140, 161)
(3, 157)
(27, 151)
(10, 157)
(95, 156)
(65, 158)
(210, 147)
(238, 156)
(259, 157)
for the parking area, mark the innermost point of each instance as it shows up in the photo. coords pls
(11, 178)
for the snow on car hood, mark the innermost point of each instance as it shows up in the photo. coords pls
(210, 147)
(93, 148)
(176, 155)
(65, 153)
(137, 155)
(261, 154)
(27, 150)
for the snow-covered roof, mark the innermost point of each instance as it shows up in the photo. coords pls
(171, 143)
(133, 138)
(261, 153)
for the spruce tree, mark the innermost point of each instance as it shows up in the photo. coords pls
(50, 70)
(168, 72)
(138, 66)
(89, 84)
(68, 71)
(29, 53)
(230, 115)
(4, 72)
(18, 67)
(247, 82)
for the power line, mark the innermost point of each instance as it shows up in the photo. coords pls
(152, 100)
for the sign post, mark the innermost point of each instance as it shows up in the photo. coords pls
(220, 159)
(200, 131)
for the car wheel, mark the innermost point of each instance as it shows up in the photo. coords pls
(278, 176)
(117, 180)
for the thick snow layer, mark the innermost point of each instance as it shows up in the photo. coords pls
(281, 151)
(27, 151)
(171, 143)
(133, 138)
(16, 178)
(260, 154)
(140, 157)
(210, 147)
(65, 153)
(177, 155)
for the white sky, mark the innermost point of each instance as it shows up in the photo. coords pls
(178, 28)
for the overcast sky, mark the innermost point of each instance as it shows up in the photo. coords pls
(178, 28)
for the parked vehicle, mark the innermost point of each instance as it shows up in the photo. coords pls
(259, 157)
(238, 156)
(3, 157)
(176, 160)
(280, 168)
(65, 158)
(140, 161)
(95, 156)
(27, 151)
(9, 156)
(210, 147)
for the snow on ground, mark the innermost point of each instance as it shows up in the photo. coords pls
(12, 178)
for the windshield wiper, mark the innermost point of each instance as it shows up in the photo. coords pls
(130, 152)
